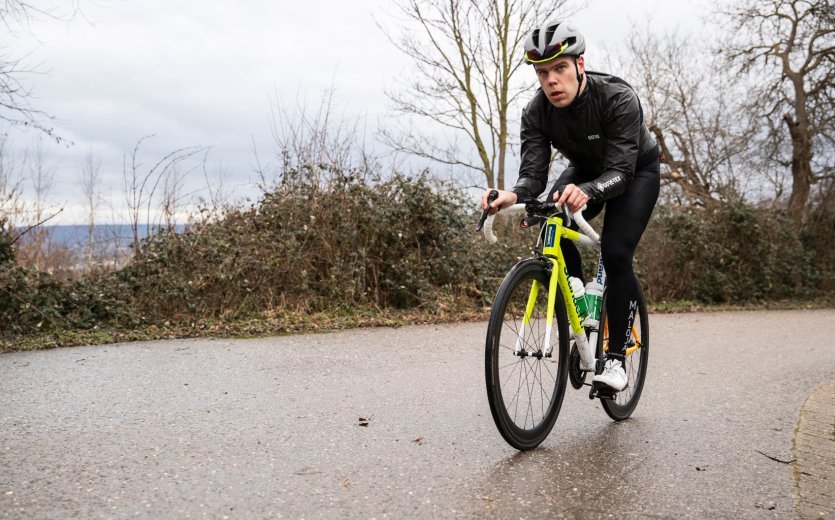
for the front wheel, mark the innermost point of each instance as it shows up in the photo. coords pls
(637, 357)
(525, 389)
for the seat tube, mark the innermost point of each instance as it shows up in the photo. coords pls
(601, 279)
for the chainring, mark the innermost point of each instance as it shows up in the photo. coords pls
(575, 375)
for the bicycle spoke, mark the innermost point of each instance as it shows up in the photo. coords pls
(524, 388)
(634, 365)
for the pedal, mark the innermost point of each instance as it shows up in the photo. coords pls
(607, 394)
(601, 391)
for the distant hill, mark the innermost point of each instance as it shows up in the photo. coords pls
(74, 235)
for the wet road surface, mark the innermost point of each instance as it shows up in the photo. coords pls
(390, 423)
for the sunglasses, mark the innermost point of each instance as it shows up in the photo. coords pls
(532, 56)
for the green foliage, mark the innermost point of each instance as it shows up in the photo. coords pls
(34, 301)
(29, 300)
(818, 239)
(396, 243)
(731, 252)
(353, 250)
(7, 254)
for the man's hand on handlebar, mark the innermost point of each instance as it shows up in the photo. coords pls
(573, 197)
(504, 200)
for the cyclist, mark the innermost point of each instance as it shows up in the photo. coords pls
(595, 120)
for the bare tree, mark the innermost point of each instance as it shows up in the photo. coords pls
(23, 12)
(172, 197)
(22, 217)
(10, 200)
(788, 49)
(218, 193)
(11, 184)
(140, 185)
(704, 149)
(14, 97)
(467, 53)
(315, 146)
(90, 179)
(42, 176)
(15, 108)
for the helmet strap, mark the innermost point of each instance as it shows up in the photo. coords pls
(579, 78)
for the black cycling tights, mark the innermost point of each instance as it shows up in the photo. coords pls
(625, 220)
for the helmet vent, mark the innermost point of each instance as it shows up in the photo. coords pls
(550, 34)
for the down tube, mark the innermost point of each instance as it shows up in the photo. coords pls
(562, 277)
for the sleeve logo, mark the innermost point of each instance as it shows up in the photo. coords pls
(603, 185)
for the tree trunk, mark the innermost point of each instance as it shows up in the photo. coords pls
(801, 138)
(801, 169)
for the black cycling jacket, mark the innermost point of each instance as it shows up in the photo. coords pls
(602, 134)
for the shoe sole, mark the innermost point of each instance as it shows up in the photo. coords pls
(603, 386)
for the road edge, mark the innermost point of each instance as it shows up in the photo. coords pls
(813, 448)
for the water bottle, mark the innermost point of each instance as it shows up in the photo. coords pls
(578, 292)
(594, 302)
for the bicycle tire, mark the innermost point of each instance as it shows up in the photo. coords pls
(625, 401)
(525, 414)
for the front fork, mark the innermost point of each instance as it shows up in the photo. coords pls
(520, 349)
(549, 314)
(584, 343)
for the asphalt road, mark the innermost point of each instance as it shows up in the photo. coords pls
(393, 423)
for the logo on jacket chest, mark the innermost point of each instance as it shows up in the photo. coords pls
(592, 137)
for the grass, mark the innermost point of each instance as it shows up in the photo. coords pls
(268, 324)
(771, 305)
(272, 324)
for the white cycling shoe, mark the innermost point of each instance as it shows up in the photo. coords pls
(612, 376)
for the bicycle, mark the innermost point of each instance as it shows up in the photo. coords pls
(527, 359)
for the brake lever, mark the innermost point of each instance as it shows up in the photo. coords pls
(569, 216)
(491, 197)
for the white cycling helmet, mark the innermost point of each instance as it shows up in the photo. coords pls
(553, 39)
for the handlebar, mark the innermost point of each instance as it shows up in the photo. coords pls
(538, 209)
(585, 227)
(515, 209)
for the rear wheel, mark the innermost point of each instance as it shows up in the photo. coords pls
(525, 392)
(637, 357)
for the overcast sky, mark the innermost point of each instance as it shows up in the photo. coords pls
(206, 73)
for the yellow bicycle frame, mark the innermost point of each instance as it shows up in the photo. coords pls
(629, 350)
(554, 231)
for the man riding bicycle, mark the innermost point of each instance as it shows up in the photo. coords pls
(595, 120)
